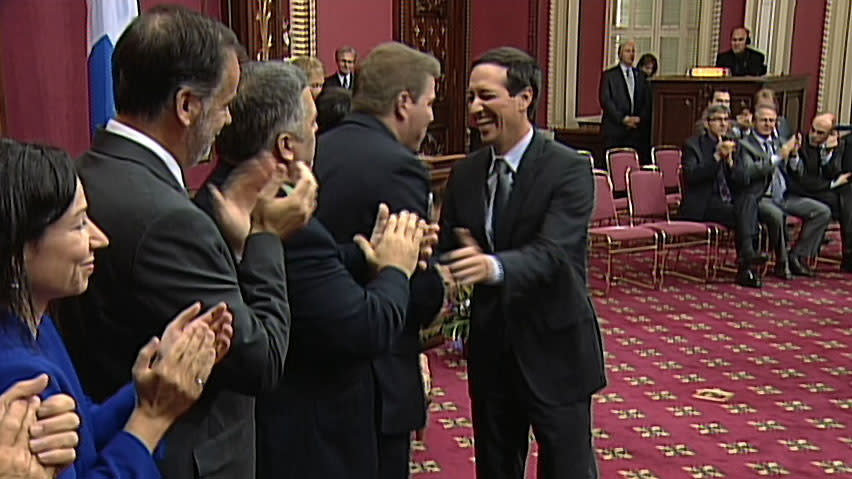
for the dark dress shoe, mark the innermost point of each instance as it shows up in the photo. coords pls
(783, 271)
(799, 268)
(748, 278)
(755, 259)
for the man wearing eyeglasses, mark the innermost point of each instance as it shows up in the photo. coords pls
(764, 167)
(824, 179)
(707, 164)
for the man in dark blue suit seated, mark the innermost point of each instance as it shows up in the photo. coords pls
(320, 422)
(709, 194)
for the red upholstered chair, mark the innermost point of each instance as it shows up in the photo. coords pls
(618, 161)
(606, 234)
(647, 195)
(668, 160)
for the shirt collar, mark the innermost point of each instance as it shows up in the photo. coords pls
(624, 68)
(515, 154)
(117, 128)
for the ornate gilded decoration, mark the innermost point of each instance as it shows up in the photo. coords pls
(302, 36)
(264, 14)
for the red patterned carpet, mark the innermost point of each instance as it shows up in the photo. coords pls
(783, 351)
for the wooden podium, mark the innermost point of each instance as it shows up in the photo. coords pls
(679, 101)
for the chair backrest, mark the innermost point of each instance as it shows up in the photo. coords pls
(604, 204)
(646, 194)
(618, 161)
(668, 158)
(588, 155)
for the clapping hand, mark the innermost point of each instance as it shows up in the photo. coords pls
(170, 378)
(397, 245)
(234, 204)
(218, 319)
(285, 215)
(18, 415)
(468, 264)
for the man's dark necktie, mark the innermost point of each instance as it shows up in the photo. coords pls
(501, 191)
(722, 180)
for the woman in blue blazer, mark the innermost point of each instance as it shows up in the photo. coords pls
(47, 247)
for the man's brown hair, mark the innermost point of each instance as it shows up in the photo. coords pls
(388, 70)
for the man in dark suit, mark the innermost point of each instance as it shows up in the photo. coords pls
(176, 71)
(741, 59)
(823, 178)
(345, 77)
(763, 170)
(514, 223)
(708, 195)
(320, 421)
(367, 160)
(626, 103)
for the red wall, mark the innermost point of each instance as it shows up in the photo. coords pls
(591, 52)
(362, 24)
(807, 48)
(45, 71)
(733, 16)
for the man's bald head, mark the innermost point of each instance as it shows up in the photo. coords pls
(822, 127)
(627, 52)
(739, 39)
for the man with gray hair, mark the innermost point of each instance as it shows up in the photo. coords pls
(320, 421)
(763, 169)
(176, 73)
(345, 76)
(370, 158)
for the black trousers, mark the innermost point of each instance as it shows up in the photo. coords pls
(501, 425)
(840, 202)
(394, 454)
(739, 215)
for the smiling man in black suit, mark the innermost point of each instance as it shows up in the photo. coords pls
(345, 76)
(514, 224)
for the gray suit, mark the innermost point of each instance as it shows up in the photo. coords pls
(752, 175)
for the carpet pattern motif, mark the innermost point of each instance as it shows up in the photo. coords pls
(783, 351)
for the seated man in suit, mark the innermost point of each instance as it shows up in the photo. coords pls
(823, 179)
(345, 77)
(626, 102)
(741, 59)
(176, 72)
(320, 421)
(763, 169)
(535, 347)
(708, 196)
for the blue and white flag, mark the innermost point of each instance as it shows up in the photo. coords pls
(107, 19)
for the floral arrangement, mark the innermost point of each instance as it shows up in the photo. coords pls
(452, 324)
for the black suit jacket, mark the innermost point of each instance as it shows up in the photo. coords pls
(701, 172)
(615, 102)
(333, 81)
(753, 168)
(320, 421)
(360, 164)
(749, 63)
(815, 177)
(541, 310)
(165, 253)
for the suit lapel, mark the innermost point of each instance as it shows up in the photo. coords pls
(521, 188)
(121, 148)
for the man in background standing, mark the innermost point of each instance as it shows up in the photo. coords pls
(345, 77)
(626, 103)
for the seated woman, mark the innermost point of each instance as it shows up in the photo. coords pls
(47, 246)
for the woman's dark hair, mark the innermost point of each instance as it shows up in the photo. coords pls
(332, 105)
(648, 58)
(37, 186)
